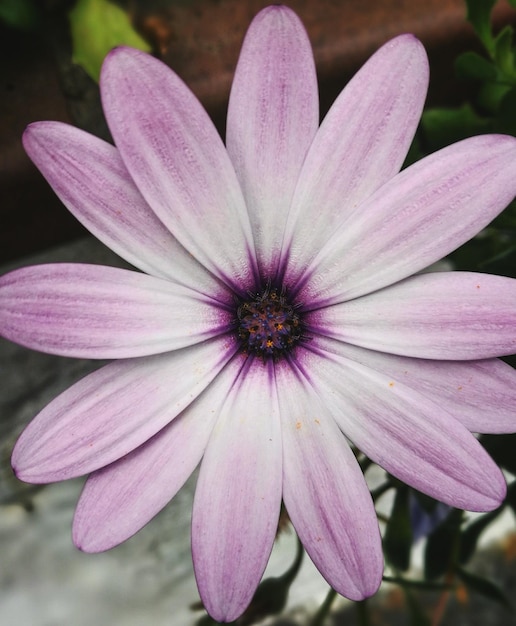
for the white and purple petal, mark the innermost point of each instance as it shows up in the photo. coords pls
(179, 163)
(325, 493)
(439, 315)
(114, 410)
(91, 180)
(93, 311)
(121, 498)
(405, 432)
(361, 144)
(480, 394)
(238, 496)
(417, 218)
(273, 116)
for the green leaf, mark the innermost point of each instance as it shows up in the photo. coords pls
(441, 546)
(510, 499)
(97, 26)
(479, 15)
(494, 252)
(512, 3)
(501, 448)
(418, 585)
(504, 55)
(440, 127)
(418, 617)
(490, 95)
(485, 587)
(21, 14)
(472, 66)
(397, 541)
(505, 121)
(427, 503)
(471, 534)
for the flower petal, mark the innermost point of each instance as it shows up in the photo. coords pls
(439, 315)
(406, 433)
(178, 162)
(481, 395)
(118, 500)
(417, 218)
(361, 144)
(238, 496)
(325, 493)
(91, 180)
(101, 312)
(112, 411)
(273, 116)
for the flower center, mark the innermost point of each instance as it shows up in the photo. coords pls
(268, 325)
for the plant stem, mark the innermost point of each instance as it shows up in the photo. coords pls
(363, 613)
(324, 609)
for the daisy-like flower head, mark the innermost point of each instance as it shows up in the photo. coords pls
(275, 316)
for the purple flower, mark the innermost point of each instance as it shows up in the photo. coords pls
(277, 317)
(422, 521)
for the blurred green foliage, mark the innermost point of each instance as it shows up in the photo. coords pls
(98, 26)
(491, 109)
(21, 14)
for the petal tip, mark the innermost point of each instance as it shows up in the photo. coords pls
(27, 475)
(17, 464)
(407, 39)
(120, 51)
(30, 469)
(37, 136)
(226, 614)
(275, 12)
(494, 499)
(119, 55)
(362, 589)
(276, 9)
(368, 579)
(414, 50)
(88, 539)
(82, 544)
(31, 134)
(30, 129)
(16, 471)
